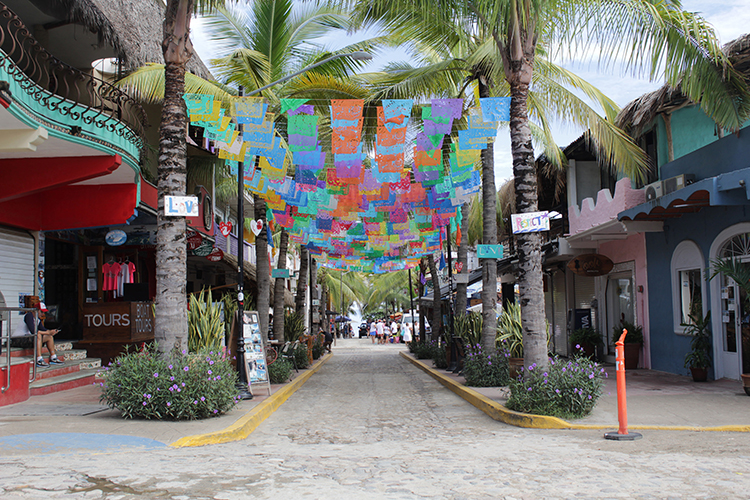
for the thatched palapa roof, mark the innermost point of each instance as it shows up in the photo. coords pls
(640, 112)
(133, 27)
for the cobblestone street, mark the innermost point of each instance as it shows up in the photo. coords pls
(369, 425)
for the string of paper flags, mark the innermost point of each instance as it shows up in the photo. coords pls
(373, 212)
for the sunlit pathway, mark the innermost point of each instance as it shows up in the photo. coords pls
(369, 425)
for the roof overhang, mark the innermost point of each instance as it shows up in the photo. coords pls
(590, 239)
(730, 189)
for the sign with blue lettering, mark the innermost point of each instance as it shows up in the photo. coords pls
(531, 222)
(490, 251)
(181, 206)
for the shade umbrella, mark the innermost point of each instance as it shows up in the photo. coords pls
(342, 319)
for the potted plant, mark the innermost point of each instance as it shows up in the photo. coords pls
(510, 336)
(699, 357)
(633, 342)
(587, 338)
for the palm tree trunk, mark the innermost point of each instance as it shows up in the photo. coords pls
(278, 289)
(420, 292)
(313, 285)
(170, 323)
(463, 250)
(437, 316)
(529, 245)
(263, 267)
(299, 300)
(489, 237)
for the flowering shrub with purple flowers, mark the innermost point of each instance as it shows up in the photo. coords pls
(569, 389)
(185, 386)
(485, 370)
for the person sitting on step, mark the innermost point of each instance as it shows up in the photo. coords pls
(44, 336)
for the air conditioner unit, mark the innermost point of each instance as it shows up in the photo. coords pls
(678, 182)
(654, 190)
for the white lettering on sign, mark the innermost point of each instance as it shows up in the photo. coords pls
(143, 323)
(113, 319)
(181, 206)
(530, 222)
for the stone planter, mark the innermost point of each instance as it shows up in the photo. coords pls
(699, 374)
(632, 352)
(746, 382)
(515, 366)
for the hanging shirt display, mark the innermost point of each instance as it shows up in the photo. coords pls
(127, 274)
(111, 271)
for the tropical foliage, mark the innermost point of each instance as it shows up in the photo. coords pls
(206, 329)
(510, 330)
(468, 326)
(565, 389)
(179, 386)
(483, 369)
(700, 345)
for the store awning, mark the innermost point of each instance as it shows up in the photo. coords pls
(730, 189)
(64, 193)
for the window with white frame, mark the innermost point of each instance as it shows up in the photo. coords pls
(688, 296)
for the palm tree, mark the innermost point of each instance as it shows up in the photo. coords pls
(304, 270)
(278, 289)
(655, 37)
(467, 55)
(263, 44)
(170, 305)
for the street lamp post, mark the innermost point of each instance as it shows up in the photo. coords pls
(357, 56)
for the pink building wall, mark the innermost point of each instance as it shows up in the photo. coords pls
(634, 249)
(606, 208)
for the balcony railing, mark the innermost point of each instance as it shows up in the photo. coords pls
(63, 89)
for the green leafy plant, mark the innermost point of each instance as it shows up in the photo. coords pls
(568, 389)
(438, 355)
(635, 332)
(183, 386)
(206, 330)
(300, 356)
(585, 336)
(294, 326)
(468, 326)
(510, 331)
(485, 370)
(700, 345)
(421, 350)
(280, 371)
(317, 347)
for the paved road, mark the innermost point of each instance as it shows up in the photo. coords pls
(371, 426)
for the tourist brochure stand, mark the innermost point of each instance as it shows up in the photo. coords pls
(256, 367)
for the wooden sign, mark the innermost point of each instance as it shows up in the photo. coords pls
(591, 264)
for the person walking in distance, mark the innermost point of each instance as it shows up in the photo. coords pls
(381, 330)
(373, 331)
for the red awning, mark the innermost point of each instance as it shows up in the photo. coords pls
(45, 194)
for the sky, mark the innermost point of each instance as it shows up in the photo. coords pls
(730, 19)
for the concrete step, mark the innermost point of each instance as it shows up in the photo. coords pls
(61, 345)
(53, 370)
(62, 382)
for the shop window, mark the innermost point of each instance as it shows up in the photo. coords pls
(688, 297)
(691, 295)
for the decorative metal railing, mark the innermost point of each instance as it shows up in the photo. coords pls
(63, 89)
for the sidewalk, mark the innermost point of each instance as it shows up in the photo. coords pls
(655, 400)
(68, 419)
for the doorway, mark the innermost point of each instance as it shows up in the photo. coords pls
(620, 307)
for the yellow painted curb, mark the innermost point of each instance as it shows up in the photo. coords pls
(499, 412)
(243, 427)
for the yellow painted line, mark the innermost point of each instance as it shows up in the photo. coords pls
(243, 427)
(499, 412)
